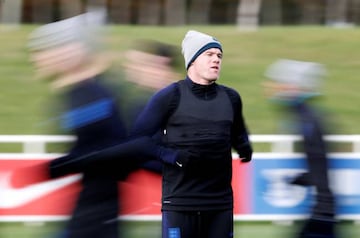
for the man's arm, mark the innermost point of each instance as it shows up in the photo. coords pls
(153, 117)
(240, 136)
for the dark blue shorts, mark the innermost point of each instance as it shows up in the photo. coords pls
(201, 224)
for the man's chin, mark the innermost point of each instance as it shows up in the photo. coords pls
(213, 79)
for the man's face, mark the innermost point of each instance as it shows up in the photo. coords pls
(148, 70)
(207, 66)
(59, 60)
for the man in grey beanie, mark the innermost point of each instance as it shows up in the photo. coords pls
(196, 43)
(202, 121)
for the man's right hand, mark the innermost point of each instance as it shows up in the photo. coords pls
(246, 154)
(182, 159)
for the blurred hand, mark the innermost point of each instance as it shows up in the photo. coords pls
(29, 175)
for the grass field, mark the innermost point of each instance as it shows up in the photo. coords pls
(25, 102)
(153, 230)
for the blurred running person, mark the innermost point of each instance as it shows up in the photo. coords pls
(294, 85)
(67, 53)
(149, 66)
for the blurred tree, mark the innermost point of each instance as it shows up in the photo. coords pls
(175, 12)
(271, 12)
(354, 11)
(120, 11)
(96, 4)
(199, 11)
(248, 14)
(336, 11)
(149, 12)
(223, 11)
(11, 11)
(312, 12)
(43, 11)
(70, 8)
(244, 13)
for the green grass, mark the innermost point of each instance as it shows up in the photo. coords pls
(153, 230)
(26, 102)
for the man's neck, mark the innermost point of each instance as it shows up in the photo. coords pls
(199, 80)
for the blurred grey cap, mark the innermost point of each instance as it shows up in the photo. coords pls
(195, 43)
(83, 28)
(303, 74)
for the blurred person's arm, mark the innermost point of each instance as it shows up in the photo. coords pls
(139, 149)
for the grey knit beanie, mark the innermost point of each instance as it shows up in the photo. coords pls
(195, 43)
(303, 74)
(84, 28)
